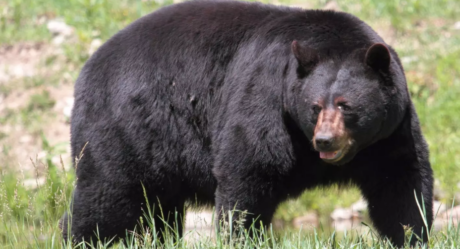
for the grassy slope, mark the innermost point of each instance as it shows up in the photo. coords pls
(421, 31)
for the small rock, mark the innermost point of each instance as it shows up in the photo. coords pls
(95, 44)
(33, 183)
(25, 139)
(68, 107)
(41, 155)
(457, 25)
(342, 214)
(58, 40)
(278, 224)
(41, 20)
(56, 160)
(332, 5)
(439, 207)
(439, 223)
(199, 225)
(59, 28)
(408, 59)
(453, 213)
(43, 237)
(359, 206)
(199, 220)
(95, 33)
(67, 111)
(449, 216)
(342, 225)
(302, 4)
(307, 220)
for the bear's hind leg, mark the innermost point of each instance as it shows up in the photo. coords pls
(103, 211)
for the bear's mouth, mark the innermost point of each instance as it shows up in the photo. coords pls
(332, 156)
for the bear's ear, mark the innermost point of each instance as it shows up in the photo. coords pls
(378, 57)
(307, 57)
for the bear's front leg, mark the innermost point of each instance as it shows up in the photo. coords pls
(256, 197)
(393, 191)
(250, 173)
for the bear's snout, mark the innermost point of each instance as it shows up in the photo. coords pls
(330, 137)
(324, 142)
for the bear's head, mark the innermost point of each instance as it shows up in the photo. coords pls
(345, 103)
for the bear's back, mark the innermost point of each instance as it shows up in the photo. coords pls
(165, 69)
(175, 52)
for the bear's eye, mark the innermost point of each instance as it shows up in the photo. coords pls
(316, 109)
(343, 107)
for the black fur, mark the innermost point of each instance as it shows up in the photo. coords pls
(207, 102)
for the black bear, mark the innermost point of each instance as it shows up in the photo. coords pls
(244, 105)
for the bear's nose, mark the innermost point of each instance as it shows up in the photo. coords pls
(323, 142)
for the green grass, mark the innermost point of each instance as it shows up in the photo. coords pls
(36, 212)
(421, 31)
(89, 17)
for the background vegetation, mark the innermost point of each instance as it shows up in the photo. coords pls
(35, 182)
